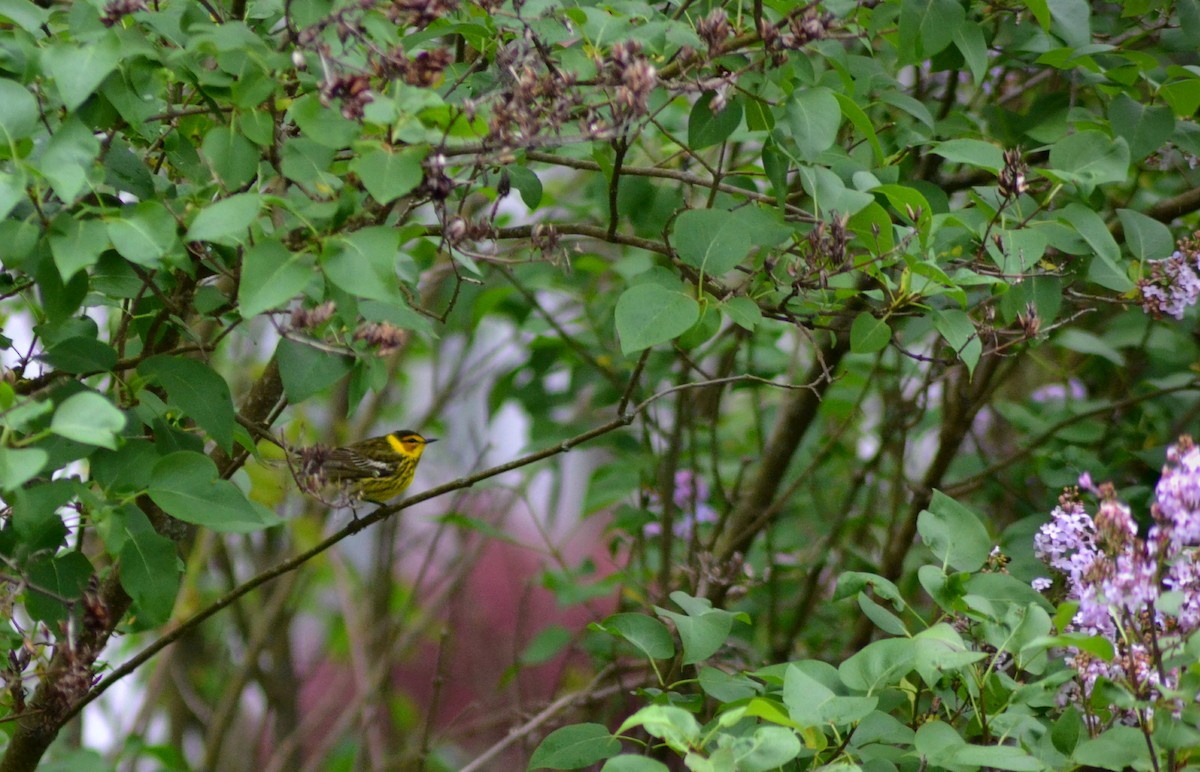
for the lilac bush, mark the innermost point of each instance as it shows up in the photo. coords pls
(1142, 595)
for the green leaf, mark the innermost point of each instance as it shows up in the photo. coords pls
(959, 331)
(308, 162)
(1147, 238)
(1144, 127)
(712, 240)
(387, 173)
(814, 116)
(89, 418)
(150, 569)
(647, 634)
(526, 183)
(973, 152)
(546, 645)
(60, 578)
(1118, 748)
(878, 665)
(954, 533)
(861, 122)
(12, 185)
(972, 45)
(869, 335)
(322, 124)
(1090, 158)
(187, 487)
(19, 118)
(365, 264)
(306, 370)
(144, 233)
(702, 631)
(1091, 227)
(36, 517)
(232, 157)
(18, 466)
(271, 275)
(707, 128)
(69, 158)
(78, 70)
(197, 391)
(674, 726)
(226, 221)
(24, 14)
(928, 26)
(80, 355)
(76, 244)
(649, 314)
(770, 748)
(830, 195)
(743, 311)
(574, 747)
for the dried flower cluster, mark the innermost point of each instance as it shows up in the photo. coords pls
(116, 10)
(424, 69)
(798, 32)
(534, 99)
(309, 318)
(633, 77)
(353, 90)
(1173, 285)
(382, 336)
(714, 30)
(1120, 579)
(1012, 176)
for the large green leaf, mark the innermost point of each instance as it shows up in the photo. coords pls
(647, 634)
(928, 26)
(712, 240)
(954, 533)
(814, 116)
(1090, 158)
(69, 158)
(144, 233)
(364, 264)
(1144, 127)
(306, 370)
(89, 418)
(19, 117)
(649, 314)
(78, 70)
(197, 391)
(226, 221)
(706, 127)
(271, 275)
(150, 569)
(233, 158)
(76, 244)
(388, 173)
(18, 466)
(186, 485)
(574, 747)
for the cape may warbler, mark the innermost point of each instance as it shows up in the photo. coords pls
(377, 469)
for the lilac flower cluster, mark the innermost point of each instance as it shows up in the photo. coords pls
(690, 497)
(1173, 285)
(1119, 579)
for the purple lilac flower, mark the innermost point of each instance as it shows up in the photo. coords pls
(1118, 578)
(690, 497)
(1173, 285)
(1071, 391)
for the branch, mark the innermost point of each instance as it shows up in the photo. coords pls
(382, 513)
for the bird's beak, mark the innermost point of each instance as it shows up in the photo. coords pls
(429, 440)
